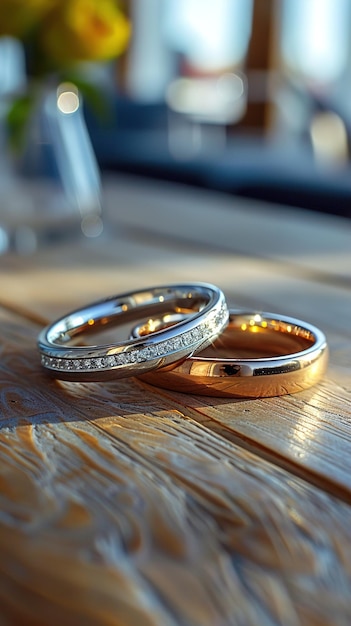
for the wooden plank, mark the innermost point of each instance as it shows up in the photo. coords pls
(56, 281)
(119, 508)
(307, 433)
(59, 280)
(311, 241)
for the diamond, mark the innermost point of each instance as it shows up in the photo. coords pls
(196, 334)
(168, 346)
(117, 360)
(208, 326)
(110, 361)
(159, 349)
(142, 355)
(175, 344)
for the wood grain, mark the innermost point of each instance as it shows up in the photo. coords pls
(309, 432)
(308, 241)
(118, 508)
(126, 505)
(52, 283)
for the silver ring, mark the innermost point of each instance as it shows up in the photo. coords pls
(207, 315)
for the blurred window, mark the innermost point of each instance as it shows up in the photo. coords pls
(315, 38)
(211, 35)
(205, 37)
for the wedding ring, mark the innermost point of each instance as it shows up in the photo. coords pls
(258, 355)
(62, 358)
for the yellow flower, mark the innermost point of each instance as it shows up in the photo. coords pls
(17, 17)
(84, 30)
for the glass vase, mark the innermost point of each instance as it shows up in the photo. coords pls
(49, 189)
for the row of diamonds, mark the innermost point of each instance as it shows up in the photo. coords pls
(203, 331)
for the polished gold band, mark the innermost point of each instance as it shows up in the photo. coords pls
(258, 355)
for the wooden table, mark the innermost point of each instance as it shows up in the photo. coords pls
(122, 504)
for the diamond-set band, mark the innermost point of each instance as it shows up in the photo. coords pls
(203, 332)
(172, 327)
(85, 363)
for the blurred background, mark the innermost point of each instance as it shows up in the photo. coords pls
(250, 97)
(247, 97)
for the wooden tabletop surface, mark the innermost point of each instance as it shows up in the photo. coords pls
(126, 505)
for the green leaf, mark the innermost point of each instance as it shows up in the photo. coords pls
(18, 116)
(94, 97)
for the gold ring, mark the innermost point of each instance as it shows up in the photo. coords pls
(258, 355)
